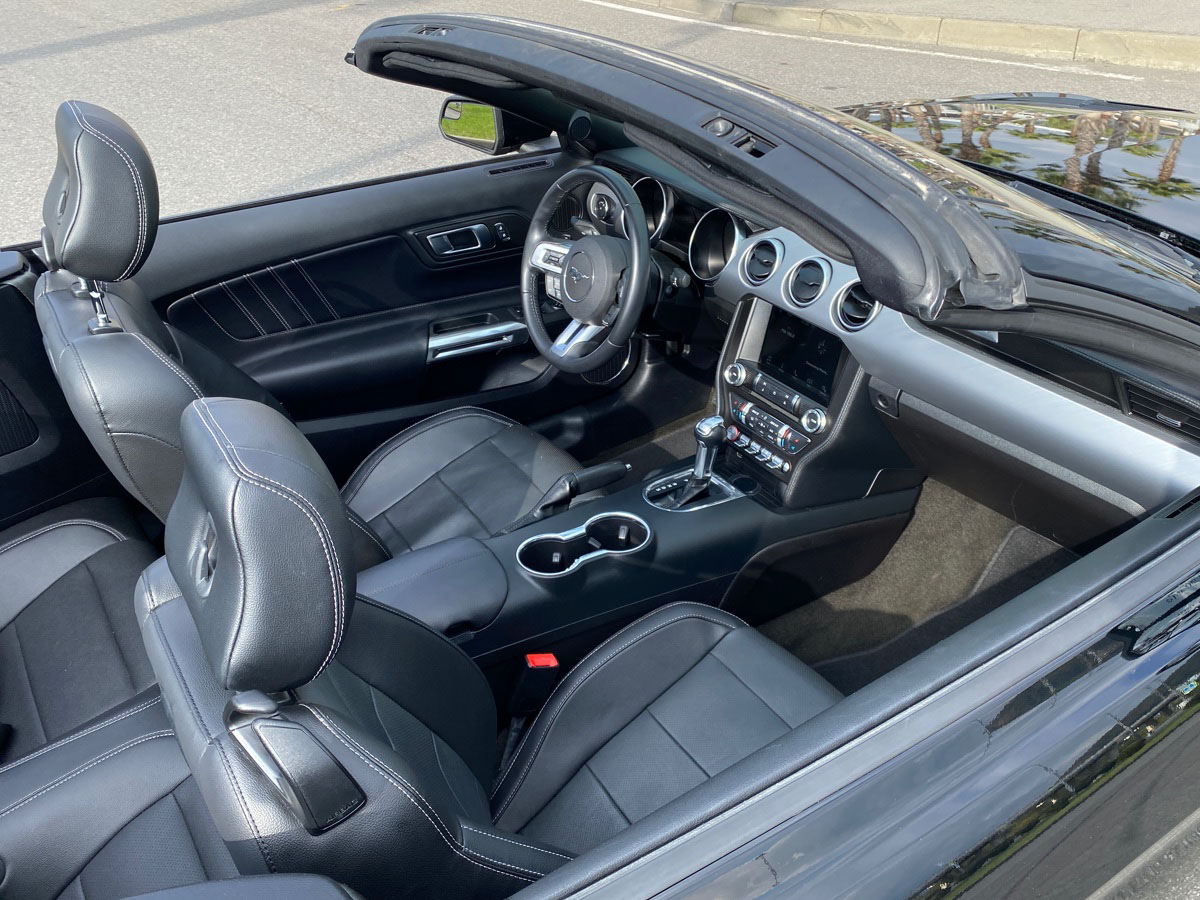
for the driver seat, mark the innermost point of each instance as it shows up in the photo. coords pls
(128, 375)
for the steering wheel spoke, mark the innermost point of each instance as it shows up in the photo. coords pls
(577, 339)
(550, 256)
(600, 279)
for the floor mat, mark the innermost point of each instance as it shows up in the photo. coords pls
(664, 447)
(956, 561)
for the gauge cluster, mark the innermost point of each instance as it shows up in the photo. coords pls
(732, 257)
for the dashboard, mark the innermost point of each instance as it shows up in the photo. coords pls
(808, 336)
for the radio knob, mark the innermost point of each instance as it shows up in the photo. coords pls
(736, 374)
(813, 421)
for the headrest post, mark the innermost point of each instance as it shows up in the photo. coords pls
(93, 290)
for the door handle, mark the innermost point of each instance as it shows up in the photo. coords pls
(476, 340)
(466, 239)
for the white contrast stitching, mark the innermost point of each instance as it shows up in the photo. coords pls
(48, 528)
(300, 502)
(369, 533)
(233, 337)
(545, 732)
(316, 290)
(400, 784)
(295, 300)
(154, 735)
(250, 281)
(143, 214)
(99, 725)
(514, 843)
(234, 297)
(170, 364)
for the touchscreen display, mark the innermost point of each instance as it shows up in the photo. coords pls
(800, 355)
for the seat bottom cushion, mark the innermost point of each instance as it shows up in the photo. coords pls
(172, 843)
(70, 647)
(106, 812)
(462, 473)
(655, 711)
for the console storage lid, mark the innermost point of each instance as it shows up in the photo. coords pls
(451, 586)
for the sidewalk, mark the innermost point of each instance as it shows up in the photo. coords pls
(1162, 34)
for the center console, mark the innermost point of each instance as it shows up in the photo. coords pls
(794, 463)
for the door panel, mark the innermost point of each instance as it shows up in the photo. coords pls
(365, 308)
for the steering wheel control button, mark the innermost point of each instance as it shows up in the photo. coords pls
(813, 421)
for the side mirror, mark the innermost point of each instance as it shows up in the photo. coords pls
(487, 128)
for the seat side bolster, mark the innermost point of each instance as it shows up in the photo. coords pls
(125, 392)
(600, 696)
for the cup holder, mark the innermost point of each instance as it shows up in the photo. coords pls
(608, 534)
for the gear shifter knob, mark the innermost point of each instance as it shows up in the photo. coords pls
(710, 432)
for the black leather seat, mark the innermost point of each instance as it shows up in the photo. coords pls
(256, 597)
(463, 473)
(70, 647)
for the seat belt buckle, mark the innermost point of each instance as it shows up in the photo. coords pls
(534, 684)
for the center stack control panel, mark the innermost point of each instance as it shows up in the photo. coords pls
(772, 422)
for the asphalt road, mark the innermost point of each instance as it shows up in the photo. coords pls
(243, 99)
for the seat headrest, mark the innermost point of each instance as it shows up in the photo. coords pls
(260, 544)
(101, 210)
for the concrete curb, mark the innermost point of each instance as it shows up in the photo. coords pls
(1148, 49)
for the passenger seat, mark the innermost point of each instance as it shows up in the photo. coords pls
(70, 646)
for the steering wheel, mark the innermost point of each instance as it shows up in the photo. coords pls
(600, 280)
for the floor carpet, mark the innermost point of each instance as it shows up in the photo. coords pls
(956, 561)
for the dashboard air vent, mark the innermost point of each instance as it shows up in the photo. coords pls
(807, 282)
(568, 211)
(856, 308)
(1154, 407)
(761, 262)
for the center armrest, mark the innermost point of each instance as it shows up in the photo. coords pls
(449, 585)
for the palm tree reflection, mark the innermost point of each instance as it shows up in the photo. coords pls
(992, 134)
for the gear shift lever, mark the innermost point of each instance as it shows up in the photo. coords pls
(710, 432)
